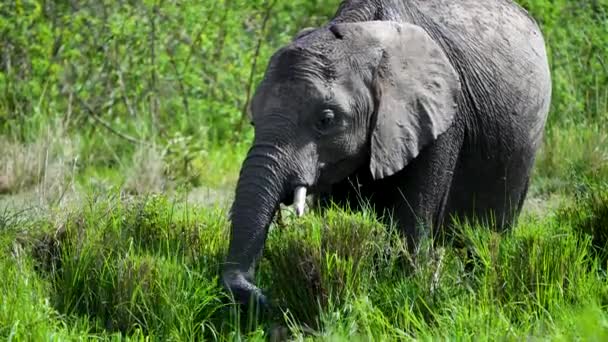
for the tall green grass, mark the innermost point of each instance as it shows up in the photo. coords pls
(150, 267)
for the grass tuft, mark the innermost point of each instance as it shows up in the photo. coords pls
(569, 154)
(146, 172)
(46, 166)
(321, 262)
(136, 267)
(588, 215)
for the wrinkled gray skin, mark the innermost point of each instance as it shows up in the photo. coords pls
(428, 109)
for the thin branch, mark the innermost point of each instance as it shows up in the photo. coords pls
(107, 125)
(123, 88)
(221, 35)
(197, 37)
(66, 121)
(180, 81)
(602, 63)
(256, 55)
(153, 81)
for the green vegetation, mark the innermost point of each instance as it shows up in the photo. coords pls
(122, 129)
(149, 266)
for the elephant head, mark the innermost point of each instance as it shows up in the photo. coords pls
(336, 99)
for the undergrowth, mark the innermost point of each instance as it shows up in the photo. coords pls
(150, 267)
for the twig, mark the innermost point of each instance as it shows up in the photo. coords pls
(197, 39)
(154, 92)
(602, 63)
(109, 127)
(212, 90)
(180, 81)
(123, 88)
(69, 184)
(254, 64)
(221, 36)
(438, 266)
(66, 121)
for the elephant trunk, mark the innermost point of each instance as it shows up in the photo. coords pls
(261, 187)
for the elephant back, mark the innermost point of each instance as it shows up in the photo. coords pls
(499, 52)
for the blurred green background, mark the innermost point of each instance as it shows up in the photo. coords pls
(177, 75)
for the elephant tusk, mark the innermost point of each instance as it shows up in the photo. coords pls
(299, 198)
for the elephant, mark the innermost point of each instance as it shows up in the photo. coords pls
(429, 110)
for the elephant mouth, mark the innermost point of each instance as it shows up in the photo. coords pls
(297, 198)
(290, 196)
(296, 194)
(332, 173)
(288, 199)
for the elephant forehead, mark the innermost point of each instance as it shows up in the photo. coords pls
(295, 62)
(294, 95)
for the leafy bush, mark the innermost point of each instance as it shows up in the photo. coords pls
(577, 39)
(179, 75)
(146, 69)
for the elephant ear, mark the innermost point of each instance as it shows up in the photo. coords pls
(415, 87)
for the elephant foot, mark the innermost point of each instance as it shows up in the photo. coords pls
(247, 295)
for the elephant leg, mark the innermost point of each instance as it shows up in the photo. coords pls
(491, 189)
(417, 196)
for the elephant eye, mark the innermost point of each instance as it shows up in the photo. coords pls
(326, 119)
